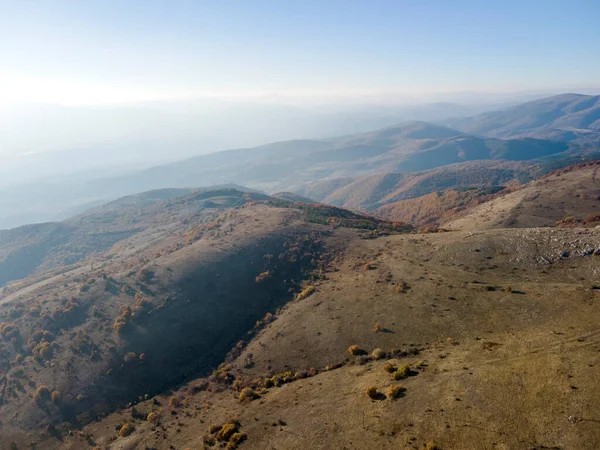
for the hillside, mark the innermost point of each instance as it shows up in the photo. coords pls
(234, 312)
(167, 301)
(567, 117)
(478, 320)
(30, 249)
(566, 197)
(432, 209)
(371, 192)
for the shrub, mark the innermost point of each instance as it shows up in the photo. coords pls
(235, 439)
(378, 353)
(395, 390)
(123, 320)
(306, 293)
(208, 440)
(378, 327)
(131, 356)
(389, 367)
(145, 274)
(42, 394)
(354, 350)
(56, 397)
(507, 288)
(264, 276)
(369, 266)
(43, 351)
(431, 446)
(126, 430)
(173, 402)
(402, 287)
(248, 394)
(152, 417)
(226, 431)
(372, 392)
(8, 331)
(402, 372)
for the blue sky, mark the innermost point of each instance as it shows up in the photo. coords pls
(98, 51)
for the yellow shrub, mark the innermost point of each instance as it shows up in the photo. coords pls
(235, 440)
(372, 392)
(248, 394)
(56, 397)
(42, 394)
(402, 372)
(395, 390)
(126, 430)
(306, 293)
(226, 431)
(354, 350)
(264, 276)
(378, 353)
(389, 367)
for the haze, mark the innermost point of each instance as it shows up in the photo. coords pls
(101, 88)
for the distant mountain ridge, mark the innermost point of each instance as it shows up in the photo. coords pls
(566, 117)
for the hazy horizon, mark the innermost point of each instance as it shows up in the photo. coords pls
(107, 52)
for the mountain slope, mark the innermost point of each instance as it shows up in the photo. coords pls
(371, 192)
(432, 209)
(488, 366)
(43, 247)
(572, 193)
(565, 117)
(163, 304)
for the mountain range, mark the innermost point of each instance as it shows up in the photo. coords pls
(567, 117)
(554, 128)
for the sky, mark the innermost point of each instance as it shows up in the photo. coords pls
(104, 51)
